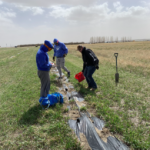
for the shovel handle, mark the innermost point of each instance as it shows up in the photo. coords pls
(116, 54)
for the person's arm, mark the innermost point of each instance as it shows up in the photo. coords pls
(43, 63)
(65, 49)
(84, 62)
(54, 52)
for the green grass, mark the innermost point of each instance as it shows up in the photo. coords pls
(83, 108)
(125, 107)
(24, 124)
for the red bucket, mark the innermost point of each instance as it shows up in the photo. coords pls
(79, 76)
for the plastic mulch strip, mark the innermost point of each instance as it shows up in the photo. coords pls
(68, 108)
(65, 87)
(85, 126)
(69, 95)
(99, 124)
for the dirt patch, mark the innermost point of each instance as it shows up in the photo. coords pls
(74, 114)
(147, 99)
(84, 142)
(114, 108)
(122, 101)
(134, 117)
(103, 134)
(135, 121)
(98, 93)
(12, 57)
(16, 134)
(92, 112)
(80, 104)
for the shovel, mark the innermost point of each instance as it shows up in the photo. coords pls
(117, 74)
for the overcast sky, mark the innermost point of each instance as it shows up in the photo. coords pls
(33, 21)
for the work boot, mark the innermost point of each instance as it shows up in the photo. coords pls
(59, 78)
(68, 74)
(87, 87)
(93, 89)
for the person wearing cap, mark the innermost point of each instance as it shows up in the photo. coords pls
(90, 64)
(60, 52)
(44, 66)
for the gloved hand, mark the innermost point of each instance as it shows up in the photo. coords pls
(97, 67)
(53, 58)
(64, 55)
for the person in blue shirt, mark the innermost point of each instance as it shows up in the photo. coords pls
(60, 52)
(44, 66)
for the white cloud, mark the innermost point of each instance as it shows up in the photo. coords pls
(5, 17)
(4, 20)
(47, 3)
(80, 13)
(97, 13)
(1, 2)
(5, 23)
(7, 14)
(138, 10)
(134, 12)
(72, 18)
(118, 6)
(147, 4)
(34, 10)
(37, 10)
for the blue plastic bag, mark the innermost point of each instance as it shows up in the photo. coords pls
(51, 100)
(45, 102)
(55, 98)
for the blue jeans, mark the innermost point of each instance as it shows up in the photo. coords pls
(88, 72)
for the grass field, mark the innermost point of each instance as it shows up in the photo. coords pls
(24, 125)
(125, 107)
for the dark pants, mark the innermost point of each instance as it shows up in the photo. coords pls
(45, 82)
(60, 62)
(88, 72)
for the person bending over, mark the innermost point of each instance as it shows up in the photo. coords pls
(90, 64)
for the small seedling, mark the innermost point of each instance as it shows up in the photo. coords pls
(74, 108)
(93, 105)
(83, 108)
(92, 115)
(71, 101)
(66, 110)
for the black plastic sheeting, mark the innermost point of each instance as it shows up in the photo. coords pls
(71, 86)
(73, 94)
(85, 126)
(68, 95)
(65, 87)
(99, 124)
(79, 97)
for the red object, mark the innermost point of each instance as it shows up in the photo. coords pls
(79, 76)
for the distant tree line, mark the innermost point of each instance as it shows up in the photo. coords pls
(27, 45)
(110, 39)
